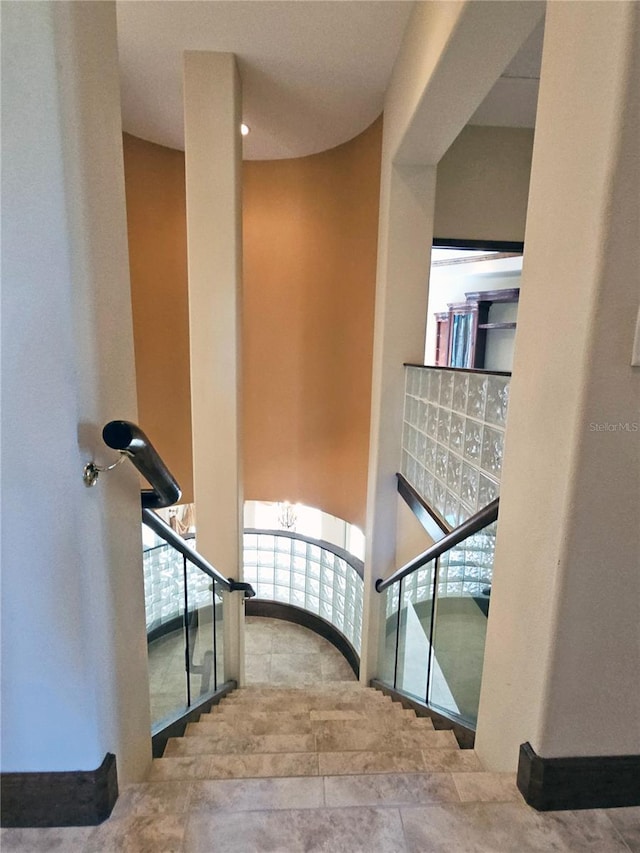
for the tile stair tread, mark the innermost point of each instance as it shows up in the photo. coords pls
(304, 696)
(240, 725)
(263, 765)
(375, 741)
(357, 764)
(364, 762)
(376, 789)
(354, 713)
(288, 693)
(241, 744)
(364, 741)
(321, 704)
(333, 694)
(272, 765)
(331, 688)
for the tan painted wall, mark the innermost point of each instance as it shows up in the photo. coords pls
(483, 184)
(310, 237)
(154, 179)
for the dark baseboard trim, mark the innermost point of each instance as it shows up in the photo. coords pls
(435, 526)
(465, 736)
(291, 613)
(64, 798)
(598, 782)
(176, 726)
(175, 624)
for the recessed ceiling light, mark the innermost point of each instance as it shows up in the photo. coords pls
(244, 129)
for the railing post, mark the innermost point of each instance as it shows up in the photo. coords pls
(186, 631)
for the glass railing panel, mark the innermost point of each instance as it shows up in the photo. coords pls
(164, 603)
(415, 632)
(163, 586)
(167, 676)
(173, 688)
(461, 611)
(390, 610)
(201, 633)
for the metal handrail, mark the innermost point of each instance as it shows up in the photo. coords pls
(472, 525)
(128, 438)
(164, 531)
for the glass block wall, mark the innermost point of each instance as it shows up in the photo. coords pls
(453, 438)
(467, 569)
(296, 570)
(164, 585)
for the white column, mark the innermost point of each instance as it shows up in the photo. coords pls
(74, 674)
(213, 155)
(404, 252)
(563, 644)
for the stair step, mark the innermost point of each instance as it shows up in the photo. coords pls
(334, 694)
(367, 740)
(376, 789)
(330, 688)
(406, 761)
(386, 712)
(232, 713)
(211, 725)
(263, 765)
(330, 740)
(319, 703)
(240, 743)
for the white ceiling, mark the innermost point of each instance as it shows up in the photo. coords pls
(314, 72)
(513, 100)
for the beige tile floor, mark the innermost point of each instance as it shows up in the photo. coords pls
(423, 812)
(283, 654)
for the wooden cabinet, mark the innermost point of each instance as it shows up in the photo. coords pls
(468, 325)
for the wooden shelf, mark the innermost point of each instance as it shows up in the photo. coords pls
(496, 325)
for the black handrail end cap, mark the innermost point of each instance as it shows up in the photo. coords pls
(117, 434)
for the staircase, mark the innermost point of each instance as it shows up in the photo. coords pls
(339, 729)
(337, 768)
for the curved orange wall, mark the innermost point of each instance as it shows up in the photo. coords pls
(156, 217)
(310, 244)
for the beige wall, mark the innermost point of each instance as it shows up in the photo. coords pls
(154, 179)
(67, 358)
(563, 634)
(310, 237)
(483, 184)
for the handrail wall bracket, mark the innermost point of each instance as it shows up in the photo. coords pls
(92, 471)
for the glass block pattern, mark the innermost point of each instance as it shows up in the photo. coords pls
(467, 569)
(301, 572)
(164, 585)
(453, 438)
